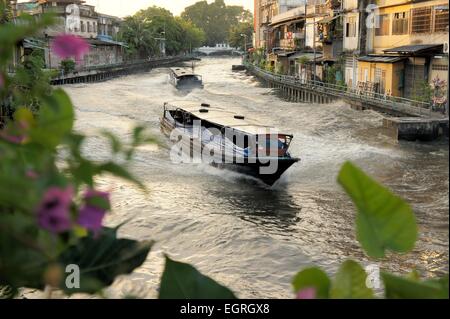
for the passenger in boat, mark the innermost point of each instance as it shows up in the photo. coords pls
(281, 147)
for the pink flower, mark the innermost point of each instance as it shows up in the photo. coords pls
(12, 138)
(16, 133)
(94, 210)
(67, 46)
(31, 174)
(53, 212)
(307, 293)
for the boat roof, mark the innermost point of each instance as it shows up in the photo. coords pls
(219, 115)
(179, 72)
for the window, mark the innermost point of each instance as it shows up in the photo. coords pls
(400, 23)
(441, 19)
(383, 25)
(439, 67)
(89, 27)
(380, 78)
(421, 20)
(350, 28)
(83, 27)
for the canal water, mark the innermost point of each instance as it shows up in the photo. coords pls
(250, 238)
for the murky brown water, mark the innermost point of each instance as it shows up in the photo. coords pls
(249, 238)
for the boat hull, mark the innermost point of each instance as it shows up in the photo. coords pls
(254, 167)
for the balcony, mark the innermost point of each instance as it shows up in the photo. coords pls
(265, 20)
(287, 44)
(384, 3)
(266, 3)
(295, 42)
(293, 14)
(54, 10)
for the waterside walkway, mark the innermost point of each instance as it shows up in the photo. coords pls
(106, 72)
(405, 119)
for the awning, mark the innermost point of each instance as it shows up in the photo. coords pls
(293, 15)
(418, 49)
(381, 58)
(307, 55)
(285, 53)
(104, 41)
(31, 43)
(328, 19)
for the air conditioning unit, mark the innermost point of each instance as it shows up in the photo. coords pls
(446, 47)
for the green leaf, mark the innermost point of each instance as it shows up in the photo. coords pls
(84, 172)
(116, 146)
(407, 288)
(312, 278)
(384, 220)
(55, 121)
(101, 259)
(99, 202)
(22, 260)
(182, 281)
(350, 282)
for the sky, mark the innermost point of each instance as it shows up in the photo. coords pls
(124, 8)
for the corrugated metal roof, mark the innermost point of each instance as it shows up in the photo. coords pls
(285, 53)
(415, 49)
(381, 58)
(308, 55)
(182, 72)
(223, 117)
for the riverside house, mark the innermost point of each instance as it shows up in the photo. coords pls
(76, 17)
(392, 47)
(407, 48)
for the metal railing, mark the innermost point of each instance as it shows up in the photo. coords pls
(124, 64)
(395, 103)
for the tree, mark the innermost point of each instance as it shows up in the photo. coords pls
(136, 34)
(6, 13)
(191, 36)
(144, 31)
(236, 37)
(216, 19)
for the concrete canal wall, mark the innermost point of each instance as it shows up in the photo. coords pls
(108, 72)
(299, 94)
(404, 120)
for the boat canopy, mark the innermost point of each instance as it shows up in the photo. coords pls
(182, 72)
(220, 116)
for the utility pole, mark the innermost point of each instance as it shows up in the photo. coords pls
(245, 44)
(306, 9)
(363, 15)
(314, 48)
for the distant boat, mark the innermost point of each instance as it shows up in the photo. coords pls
(232, 141)
(185, 78)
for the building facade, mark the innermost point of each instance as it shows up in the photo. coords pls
(407, 47)
(266, 10)
(76, 17)
(390, 47)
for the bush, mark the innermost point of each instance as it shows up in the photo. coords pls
(67, 66)
(424, 92)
